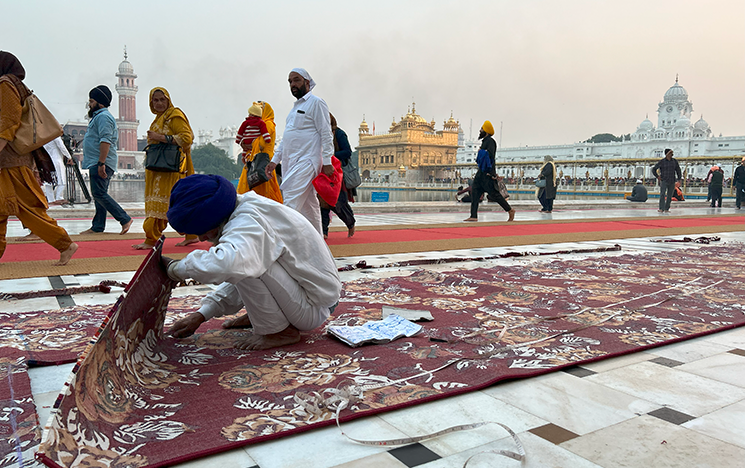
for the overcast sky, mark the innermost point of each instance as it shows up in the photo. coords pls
(553, 71)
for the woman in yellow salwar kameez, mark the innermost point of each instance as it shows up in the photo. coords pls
(170, 126)
(270, 188)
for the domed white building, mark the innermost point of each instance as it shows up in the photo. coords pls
(674, 130)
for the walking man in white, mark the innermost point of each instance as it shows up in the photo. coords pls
(306, 148)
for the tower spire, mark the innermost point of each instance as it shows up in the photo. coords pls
(125, 52)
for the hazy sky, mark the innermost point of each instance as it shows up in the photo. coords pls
(553, 71)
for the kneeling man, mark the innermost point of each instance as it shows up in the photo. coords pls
(266, 257)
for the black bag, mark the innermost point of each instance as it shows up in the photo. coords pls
(256, 170)
(163, 157)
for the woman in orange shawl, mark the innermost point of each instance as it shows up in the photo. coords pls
(170, 126)
(270, 188)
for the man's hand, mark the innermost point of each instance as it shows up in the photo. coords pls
(269, 168)
(328, 170)
(102, 172)
(186, 326)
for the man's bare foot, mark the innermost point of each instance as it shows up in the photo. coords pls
(240, 322)
(512, 215)
(66, 255)
(89, 231)
(143, 246)
(325, 236)
(126, 226)
(350, 232)
(29, 237)
(186, 242)
(470, 220)
(288, 336)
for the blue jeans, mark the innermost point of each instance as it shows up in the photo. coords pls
(103, 201)
(667, 189)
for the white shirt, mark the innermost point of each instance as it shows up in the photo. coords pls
(307, 137)
(258, 233)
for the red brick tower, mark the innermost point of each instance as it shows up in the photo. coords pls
(127, 121)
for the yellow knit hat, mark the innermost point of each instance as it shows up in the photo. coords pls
(255, 109)
(488, 127)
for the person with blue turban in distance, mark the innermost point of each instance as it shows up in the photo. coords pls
(265, 257)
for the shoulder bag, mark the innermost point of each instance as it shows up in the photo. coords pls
(163, 157)
(256, 170)
(540, 183)
(38, 125)
(352, 177)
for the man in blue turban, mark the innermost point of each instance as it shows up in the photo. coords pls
(265, 257)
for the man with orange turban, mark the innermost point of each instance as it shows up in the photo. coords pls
(486, 177)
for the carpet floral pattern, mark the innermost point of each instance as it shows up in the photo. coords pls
(139, 398)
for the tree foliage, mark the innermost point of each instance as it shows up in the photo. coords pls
(209, 159)
(608, 138)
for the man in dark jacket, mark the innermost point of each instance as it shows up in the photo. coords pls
(739, 182)
(486, 176)
(639, 192)
(667, 171)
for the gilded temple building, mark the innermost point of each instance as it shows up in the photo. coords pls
(411, 151)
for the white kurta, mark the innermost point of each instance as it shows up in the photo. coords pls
(307, 144)
(270, 260)
(57, 152)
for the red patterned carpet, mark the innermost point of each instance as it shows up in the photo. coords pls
(139, 399)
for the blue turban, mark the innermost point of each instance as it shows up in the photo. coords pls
(200, 203)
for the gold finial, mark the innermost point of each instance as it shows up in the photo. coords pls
(676, 78)
(125, 52)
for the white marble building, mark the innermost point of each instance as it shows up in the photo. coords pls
(674, 130)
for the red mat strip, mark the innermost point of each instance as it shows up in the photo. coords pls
(117, 248)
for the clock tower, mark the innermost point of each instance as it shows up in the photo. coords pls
(674, 106)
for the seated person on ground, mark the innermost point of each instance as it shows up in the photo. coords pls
(678, 193)
(639, 192)
(265, 257)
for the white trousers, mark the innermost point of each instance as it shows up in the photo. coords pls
(300, 195)
(273, 301)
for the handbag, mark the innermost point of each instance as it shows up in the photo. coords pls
(352, 177)
(502, 188)
(328, 188)
(38, 125)
(163, 157)
(540, 183)
(256, 170)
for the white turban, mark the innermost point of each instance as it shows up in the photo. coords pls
(304, 73)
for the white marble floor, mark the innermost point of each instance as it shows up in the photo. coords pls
(677, 405)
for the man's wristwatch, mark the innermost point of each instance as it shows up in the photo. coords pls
(101, 164)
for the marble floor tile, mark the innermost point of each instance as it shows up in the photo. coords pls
(616, 362)
(650, 442)
(734, 338)
(24, 284)
(29, 305)
(44, 403)
(468, 408)
(573, 403)
(49, 378)
(325, 447)
(237, 458)
(689, 350)
(539, 454)
(379, 460)
(726, 424)
(725, 367)
(680, 390)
